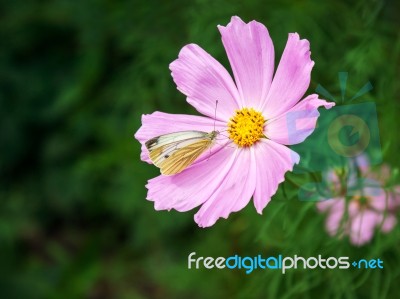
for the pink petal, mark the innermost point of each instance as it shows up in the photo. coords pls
(362, 227)
(395, 202)
(195, 185)
(159, 123)
(291, 79)
(297, 123)
(334, 218)
(272, 162)
(388, 223)
(251, 54)
(331, 205)
(233, 193)
(335, 207)
(325, 205)
(380, 202)
(204, 81)
(384, 201)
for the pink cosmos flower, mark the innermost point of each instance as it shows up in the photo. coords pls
(253, 109)
(369, 206)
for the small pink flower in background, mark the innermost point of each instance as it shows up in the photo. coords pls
(252, 109)
(368, 208)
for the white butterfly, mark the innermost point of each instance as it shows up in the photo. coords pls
(174, 152)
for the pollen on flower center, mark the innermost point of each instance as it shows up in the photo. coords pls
(246, 126)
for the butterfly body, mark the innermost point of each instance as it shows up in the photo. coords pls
(174, 152)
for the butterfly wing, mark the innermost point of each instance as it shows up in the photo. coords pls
(183, 157)
(162, 147)
(170, 138)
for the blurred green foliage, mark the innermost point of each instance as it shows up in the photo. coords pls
(75, 78)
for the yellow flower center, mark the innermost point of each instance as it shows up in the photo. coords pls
(246, 126)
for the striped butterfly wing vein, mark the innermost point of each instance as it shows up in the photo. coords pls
(173, 152)
(183, 157)
(173, 138)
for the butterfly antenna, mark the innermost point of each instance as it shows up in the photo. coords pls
(215, 119)
(215, 113)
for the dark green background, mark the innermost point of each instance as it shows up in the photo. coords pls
(75, 78)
